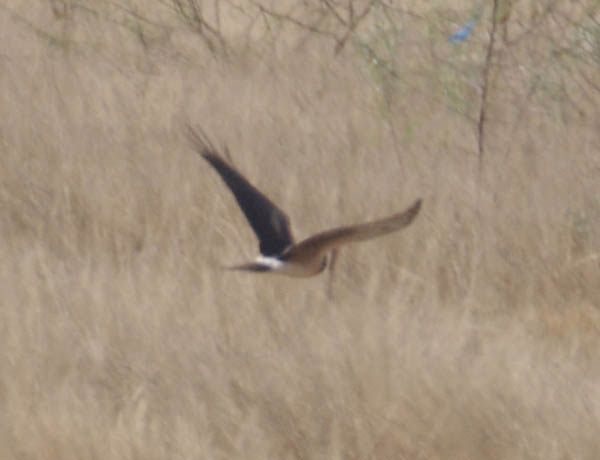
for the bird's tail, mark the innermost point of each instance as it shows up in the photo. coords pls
(251, 267)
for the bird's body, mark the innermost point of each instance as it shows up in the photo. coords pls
(289, 263)
(279, 253)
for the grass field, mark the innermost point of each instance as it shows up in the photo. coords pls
(472, 334)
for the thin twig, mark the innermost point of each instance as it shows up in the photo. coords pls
(353, 25)
(296, 22)
(333, 11)
(484, 90)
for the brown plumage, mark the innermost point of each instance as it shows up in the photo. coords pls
(271, 225)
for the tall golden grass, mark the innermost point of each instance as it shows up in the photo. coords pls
(472, 334)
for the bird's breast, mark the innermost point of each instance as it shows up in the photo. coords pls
(303, 266)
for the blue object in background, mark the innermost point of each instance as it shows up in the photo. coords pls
(463, 33)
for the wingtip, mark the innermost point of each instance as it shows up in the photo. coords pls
(417, 204)
(416, 207)
(204, 147)
(201, 142)
(412, 212)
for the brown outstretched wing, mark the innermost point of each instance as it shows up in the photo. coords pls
(270, 224)
(330, 239)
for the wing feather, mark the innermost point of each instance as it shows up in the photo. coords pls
(270, 224)
(330, 239)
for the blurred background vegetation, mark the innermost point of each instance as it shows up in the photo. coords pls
(472, 334)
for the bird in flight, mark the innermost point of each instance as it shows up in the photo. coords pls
(279, 253)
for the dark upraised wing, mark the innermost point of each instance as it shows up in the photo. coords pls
(270, 224)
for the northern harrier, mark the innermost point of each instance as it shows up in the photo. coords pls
(279, 253)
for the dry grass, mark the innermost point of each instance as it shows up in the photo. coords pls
(471, 335)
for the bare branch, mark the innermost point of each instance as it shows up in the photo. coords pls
(484, 89)
(194, 16)
(296, 22)
(353, 25)
(333, 11)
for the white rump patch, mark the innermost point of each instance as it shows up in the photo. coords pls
(272, 262)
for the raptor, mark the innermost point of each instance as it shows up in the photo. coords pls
(279, 253)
